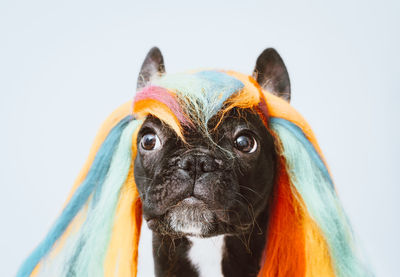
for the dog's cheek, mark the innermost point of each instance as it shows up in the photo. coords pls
(144, 168)
(256, 178)
(140, 176)
(261, 182)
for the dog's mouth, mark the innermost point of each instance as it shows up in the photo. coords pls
(189, 217)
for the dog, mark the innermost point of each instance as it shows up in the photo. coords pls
(225, 172)
(195, 190)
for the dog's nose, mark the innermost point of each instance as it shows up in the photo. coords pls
(199, 163)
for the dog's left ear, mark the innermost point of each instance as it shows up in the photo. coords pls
(271, 73)
(152, 66)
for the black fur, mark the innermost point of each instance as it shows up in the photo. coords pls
(233, 189)
(271, 73)
(153, 65)
(209, 183)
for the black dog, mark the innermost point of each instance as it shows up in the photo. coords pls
(197, 192)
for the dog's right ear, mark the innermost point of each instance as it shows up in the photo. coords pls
(153, 66)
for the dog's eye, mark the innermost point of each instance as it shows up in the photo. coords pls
(150, 141)
(246, 143)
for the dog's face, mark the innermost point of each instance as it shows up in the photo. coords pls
(213, 184)
(205, 187)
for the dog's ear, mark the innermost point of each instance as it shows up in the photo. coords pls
(152, 66)
(271, 73)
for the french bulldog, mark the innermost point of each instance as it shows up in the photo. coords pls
(207, 203)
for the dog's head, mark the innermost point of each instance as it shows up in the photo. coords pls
(212, 179)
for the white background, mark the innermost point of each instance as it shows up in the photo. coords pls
(65, 65)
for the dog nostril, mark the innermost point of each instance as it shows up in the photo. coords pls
(187, 164)
(208, 164)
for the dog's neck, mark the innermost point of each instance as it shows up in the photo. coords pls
(224, 255)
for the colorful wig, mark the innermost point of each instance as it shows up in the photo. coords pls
(97, 232)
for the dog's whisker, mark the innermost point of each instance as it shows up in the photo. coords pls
(252, 190)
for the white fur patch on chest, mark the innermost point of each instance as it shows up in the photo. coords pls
(205, 255)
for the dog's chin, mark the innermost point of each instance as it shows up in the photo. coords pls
(189, 217)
